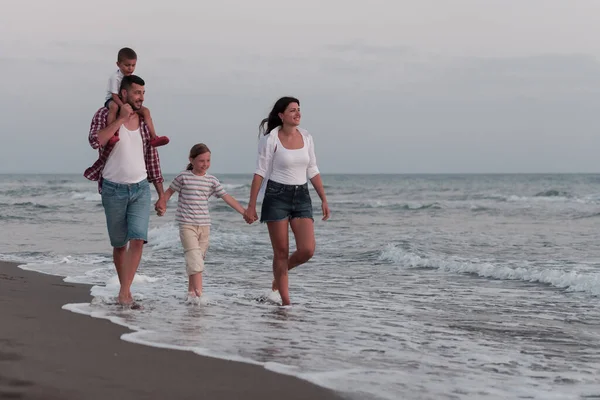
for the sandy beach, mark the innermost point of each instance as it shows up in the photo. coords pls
(50, 353)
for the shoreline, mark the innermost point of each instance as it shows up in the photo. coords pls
(47, 352)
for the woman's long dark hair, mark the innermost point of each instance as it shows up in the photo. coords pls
(195, 151)
(273, 120)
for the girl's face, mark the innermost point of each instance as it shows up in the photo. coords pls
(291, 115)
(201, 163)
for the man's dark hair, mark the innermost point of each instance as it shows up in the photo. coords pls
(130, 80)
(126, 54)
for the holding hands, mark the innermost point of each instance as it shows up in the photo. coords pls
(250, 214)
(161, 206)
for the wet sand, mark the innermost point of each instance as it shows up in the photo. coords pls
(50, 353)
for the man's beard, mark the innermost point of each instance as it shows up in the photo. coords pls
(134, 107)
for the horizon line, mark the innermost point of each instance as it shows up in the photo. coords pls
(341, 173)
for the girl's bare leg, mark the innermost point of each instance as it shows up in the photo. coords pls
(195, 284)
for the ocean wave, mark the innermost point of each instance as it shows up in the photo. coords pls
(585, 216)
(29, 204)
(14, 218)
(233, 186)
(553, 193)
(387, 204)
(85, 196)
(570, 280)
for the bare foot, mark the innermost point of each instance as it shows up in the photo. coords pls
(123, 299)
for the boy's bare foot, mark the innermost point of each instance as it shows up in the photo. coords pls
(159, 141)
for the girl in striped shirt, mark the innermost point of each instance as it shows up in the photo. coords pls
(195, 187)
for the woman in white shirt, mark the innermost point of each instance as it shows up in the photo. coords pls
(286, 161)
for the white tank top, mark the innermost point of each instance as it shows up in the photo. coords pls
(289, 166)
(125, 162)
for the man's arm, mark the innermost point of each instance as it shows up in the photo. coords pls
(153, 165)
(159, 188)
(100, 133)
(105, 134)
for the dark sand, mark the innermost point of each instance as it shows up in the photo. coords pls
(49, 353)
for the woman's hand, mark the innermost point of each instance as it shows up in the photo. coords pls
(326, 212)
(250, 214)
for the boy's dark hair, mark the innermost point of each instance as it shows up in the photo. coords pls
(129, 80)
(126, 54)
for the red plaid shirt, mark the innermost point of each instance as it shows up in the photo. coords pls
(94, 173)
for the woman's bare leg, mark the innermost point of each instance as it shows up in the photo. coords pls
(304, 233)
(278, 232)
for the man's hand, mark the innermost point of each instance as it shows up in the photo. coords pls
(160, 207)
(126, 112)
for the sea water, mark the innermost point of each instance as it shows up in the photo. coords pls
(421, 287)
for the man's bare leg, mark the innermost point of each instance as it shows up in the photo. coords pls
(119, 260)
(127, 260)
(134, 256)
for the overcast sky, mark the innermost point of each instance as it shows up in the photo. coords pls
(388, 86)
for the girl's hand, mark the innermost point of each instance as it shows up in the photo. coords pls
(326, 212)
(250, 215)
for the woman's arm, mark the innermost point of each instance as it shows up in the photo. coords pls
(318, 185)
(254, 188)
(250, 214)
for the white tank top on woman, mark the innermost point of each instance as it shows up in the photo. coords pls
(290, 167)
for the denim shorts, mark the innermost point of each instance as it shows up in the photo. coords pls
(127, 209)
(283, 202)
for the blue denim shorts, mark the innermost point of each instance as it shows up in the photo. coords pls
(127, 209)
(283, 202)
